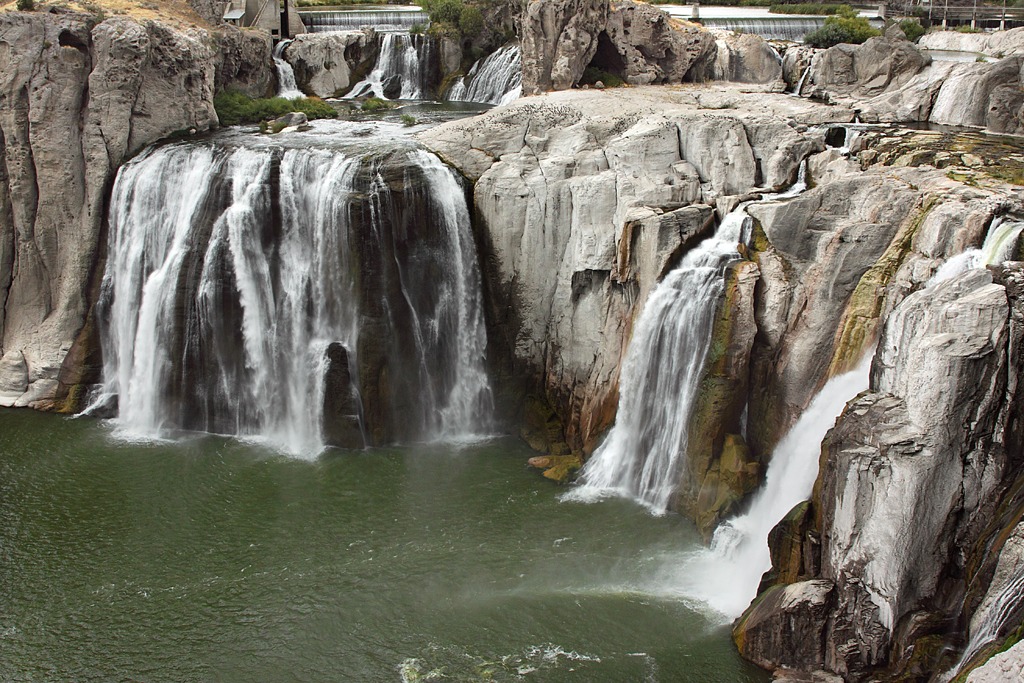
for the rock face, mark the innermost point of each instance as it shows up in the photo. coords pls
(743, 58)
(914, 464)
(328, 64)
(889, 79)
(637, 42)
(1006, 667)
(585, 201)
(997, 44)
(76, 99)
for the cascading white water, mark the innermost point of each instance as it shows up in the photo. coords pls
(642, 455)
(496, 79)
(391, 19)
(725, 577)
(401, 69)
(1000, 245)
(286, 85)
(991, 618)
(221, 318)
(792, 28)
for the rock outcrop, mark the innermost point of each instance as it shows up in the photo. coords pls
(78, 97)
(634, 41)
(997, 44)
(328, 64)
(742, 58)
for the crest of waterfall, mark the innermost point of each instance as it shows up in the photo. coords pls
(393, 19)
(792, 28)
(286, 85)
(642, 456)
(402, 70)
(726, 576)
(496, 79)
(228, 306)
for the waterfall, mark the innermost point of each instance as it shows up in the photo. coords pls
(783, 28)
(642, 456)
(803, 79)
(288, 282)
(1000, 245)
(392, 19)
(726, 576)
(991, 618)
(496, 79)
(286, 86)
(402, 71)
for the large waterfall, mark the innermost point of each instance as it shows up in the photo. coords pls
(642, 456)
(495, 79)
(295, 295)
(403, 70)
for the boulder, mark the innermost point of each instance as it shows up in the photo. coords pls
(1005, 667)
(879, 64)
(328, 64)
(746, 58)
(786, 626)
(559, 38)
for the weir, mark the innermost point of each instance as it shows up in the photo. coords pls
(299, 296)
(353, 20)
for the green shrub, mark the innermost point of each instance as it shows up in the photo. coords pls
(27, 5)
(234, 108)
(375, 104)
(912, 29)
(417, 29)
(844, 27)
(592, 75)
(444, 11)
(408, 120)
(967, 28)
(471, 23)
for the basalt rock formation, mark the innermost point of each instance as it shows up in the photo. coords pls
(78, 96)
(634, 41)
(328, 64)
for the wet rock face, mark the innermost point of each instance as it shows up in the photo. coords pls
(634, 41)
(786, 627)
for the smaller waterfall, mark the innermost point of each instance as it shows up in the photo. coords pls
(642, 455)
(1000, 245)
(286, 85)
(726, 576)
(496, 79)
(792, 28)
(803, 79)
(402, 69)
(992, 616)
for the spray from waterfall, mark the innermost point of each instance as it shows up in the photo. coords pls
(643, 454)
(725, 577)
(497, 79)
(286, 85)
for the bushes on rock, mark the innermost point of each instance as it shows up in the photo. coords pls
(27, 5)
(234, 108)
(844, 27)
(912, 29)
(806, 8)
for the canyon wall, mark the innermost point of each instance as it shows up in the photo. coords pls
(78, 96)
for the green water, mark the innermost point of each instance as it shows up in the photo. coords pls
(215, 560)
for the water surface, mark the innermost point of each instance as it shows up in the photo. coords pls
(212, 559)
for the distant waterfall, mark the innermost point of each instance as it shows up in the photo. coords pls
(283, 284)
(286, 85)
(641, 457)
(781, 28)
(392, 19)
(495, 79)
(727, 575)
(403, 68)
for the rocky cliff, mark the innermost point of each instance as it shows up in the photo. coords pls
(77, 97)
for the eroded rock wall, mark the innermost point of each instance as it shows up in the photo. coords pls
(77, 98)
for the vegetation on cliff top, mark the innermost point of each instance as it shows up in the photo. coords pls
(234, 108)
(843, 27)
(174, 11)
